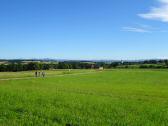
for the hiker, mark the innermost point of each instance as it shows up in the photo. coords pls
(43, 74)
(36, 74)
(39, 74)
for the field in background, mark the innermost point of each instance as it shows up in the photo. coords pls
(49, 73)
(113, 97)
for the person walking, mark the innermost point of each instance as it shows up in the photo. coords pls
(43, 74)
(36, 74)
(39, 74)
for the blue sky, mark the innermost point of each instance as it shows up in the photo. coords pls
(84, 29)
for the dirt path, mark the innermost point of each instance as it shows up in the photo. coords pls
(26, 78)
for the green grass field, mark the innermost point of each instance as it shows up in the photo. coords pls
(107, 98)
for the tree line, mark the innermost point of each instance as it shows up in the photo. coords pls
(19, 66)
(44, 66)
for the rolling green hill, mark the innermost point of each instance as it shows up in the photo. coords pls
(95, 98)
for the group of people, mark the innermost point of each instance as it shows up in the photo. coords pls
(39, 74)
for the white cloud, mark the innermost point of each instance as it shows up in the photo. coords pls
(135, 29)
(164, 1)
(158, 13)
(141, 28)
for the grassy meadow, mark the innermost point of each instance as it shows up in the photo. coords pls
(130, 97)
